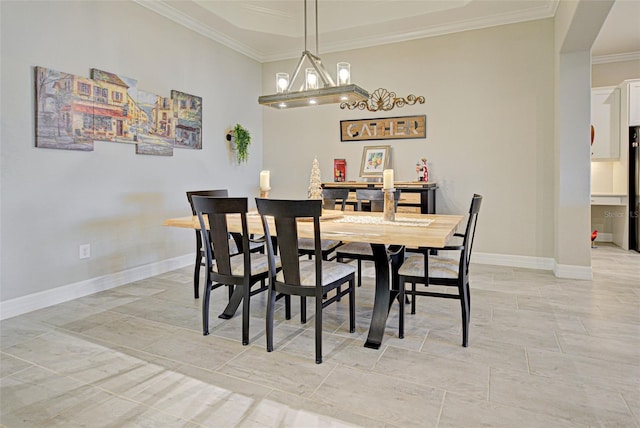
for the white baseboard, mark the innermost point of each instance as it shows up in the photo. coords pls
(528, 262)
(604, 237)
(35, 301)
(573, 272)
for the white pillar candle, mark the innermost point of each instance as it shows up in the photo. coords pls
(264, 180)
(387, 179)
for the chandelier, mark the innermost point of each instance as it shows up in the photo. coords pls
(318, 87)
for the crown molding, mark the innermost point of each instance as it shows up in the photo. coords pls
(542, 12)
(162, 8)
(606, 59)
(178, 17)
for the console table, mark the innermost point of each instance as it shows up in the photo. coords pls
(427, 192)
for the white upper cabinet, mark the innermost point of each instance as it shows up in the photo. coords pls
(605, 119)
(634, 103)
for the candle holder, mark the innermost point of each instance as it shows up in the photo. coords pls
(389, 205)
(264, 193)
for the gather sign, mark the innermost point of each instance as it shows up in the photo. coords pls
(384, 128)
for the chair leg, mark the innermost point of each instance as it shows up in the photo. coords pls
(359, 273)
(352, 306)
(401, 310)
(413, 298)
(196, 275)
(245, 313)
(303, 310)
(318, 316)
(287, 307)
(205, 306)
(464, 303)
(271, 302)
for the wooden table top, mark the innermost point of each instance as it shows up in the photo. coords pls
(435, 234)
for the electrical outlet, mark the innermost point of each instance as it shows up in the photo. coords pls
(85, 251)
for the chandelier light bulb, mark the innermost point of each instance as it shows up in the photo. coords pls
(311, 80)
(282, 82)
(344, 73)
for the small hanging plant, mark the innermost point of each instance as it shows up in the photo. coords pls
(240, 141)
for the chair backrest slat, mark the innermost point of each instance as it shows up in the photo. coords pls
(220, 193)
(331, 196)
(470, 231)
(215, 229)
(286, 214)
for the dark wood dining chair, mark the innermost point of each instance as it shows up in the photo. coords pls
(438, 270)
(200, 252)
(299, 276)
(241, 270)
(331, 198)
(360, 251)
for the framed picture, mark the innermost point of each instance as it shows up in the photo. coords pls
(375, 159)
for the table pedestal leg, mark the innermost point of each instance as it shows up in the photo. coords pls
(384, 295)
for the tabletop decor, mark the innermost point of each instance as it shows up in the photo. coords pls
(398, 221)
(265, 185)
(382, 100)
(375, 159)
(422, 170)
(339, 170)
(315, 181)
(384, 128)
(387, 187)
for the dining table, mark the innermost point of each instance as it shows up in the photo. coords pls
(388, 240)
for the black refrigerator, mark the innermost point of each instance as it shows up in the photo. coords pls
(634, 188)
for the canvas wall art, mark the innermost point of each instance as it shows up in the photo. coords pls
(64, 110)
(73, 111)
(188, 114)
(157, 134)
(118, 96)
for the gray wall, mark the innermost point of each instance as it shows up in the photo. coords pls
(55, 200)
(612, 74)
(490, 116)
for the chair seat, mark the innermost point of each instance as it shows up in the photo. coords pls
(325, 244)
(259, 264)
(359, 248)
(439, 267)
(331, 271)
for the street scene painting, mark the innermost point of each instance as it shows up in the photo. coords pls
(64, 111)
(188, 113)
(156, 136)
(73, 111)
(124, 91)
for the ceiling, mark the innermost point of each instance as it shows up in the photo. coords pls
(267, 30)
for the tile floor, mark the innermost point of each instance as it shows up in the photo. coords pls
(544, 352)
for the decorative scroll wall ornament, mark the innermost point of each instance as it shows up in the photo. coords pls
(382, 100)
